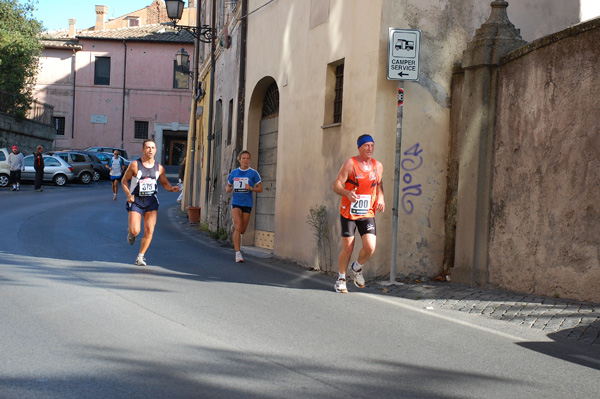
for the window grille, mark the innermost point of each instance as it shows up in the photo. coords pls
(59, 124)
(141, 130)
(339, 89)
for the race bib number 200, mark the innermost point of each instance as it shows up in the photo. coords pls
(147, 187)
(362, 205)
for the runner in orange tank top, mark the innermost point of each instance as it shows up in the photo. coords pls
(360, 185)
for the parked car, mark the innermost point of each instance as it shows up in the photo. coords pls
(81, 163)
(4, 169)
(110, 150)
(100, 171)
(55, 170)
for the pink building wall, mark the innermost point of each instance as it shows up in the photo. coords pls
(140, 89)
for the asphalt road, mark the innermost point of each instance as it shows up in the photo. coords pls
(79, 320)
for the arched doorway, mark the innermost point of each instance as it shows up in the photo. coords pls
(264, 224)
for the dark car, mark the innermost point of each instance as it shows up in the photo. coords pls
(81, 163)
(100, 171)
(111, 150)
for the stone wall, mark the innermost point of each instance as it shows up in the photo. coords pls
(545, 215)
(26, 134)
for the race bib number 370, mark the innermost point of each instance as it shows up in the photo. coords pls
(361, 206)
(147, 187)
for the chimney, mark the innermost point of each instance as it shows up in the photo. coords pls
(72, 30)
(101, 12)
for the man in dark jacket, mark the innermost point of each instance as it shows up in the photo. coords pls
(38, 165)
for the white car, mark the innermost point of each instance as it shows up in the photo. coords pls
(55, 170)
(4, 169)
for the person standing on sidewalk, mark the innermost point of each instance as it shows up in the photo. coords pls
(38, 165)
(243, 181)
(180, 178)
(145, 174)
(16, 164)
(116, 166)
(360, 185)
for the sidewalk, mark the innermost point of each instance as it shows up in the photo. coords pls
(559, 318)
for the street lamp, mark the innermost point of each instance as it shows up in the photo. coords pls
(204, 33)
(183, 59)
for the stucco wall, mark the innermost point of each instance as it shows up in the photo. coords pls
(284, 45)
(545, 235)
(54, 86)
(226, 90)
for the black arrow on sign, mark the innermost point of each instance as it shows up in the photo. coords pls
(402, 74)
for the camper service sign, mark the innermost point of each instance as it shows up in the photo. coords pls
(404, 48)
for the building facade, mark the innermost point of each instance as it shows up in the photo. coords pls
(118, 87)
(325, 62)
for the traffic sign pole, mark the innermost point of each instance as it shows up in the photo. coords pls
(395, 204)
(404, 49)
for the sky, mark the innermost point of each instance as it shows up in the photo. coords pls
(590, 9)
(55, 14)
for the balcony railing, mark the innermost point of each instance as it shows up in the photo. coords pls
(41, 113)
(12, 104)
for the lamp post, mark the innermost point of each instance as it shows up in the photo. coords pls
(201, 33)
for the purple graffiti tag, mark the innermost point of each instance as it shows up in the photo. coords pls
(412, 161)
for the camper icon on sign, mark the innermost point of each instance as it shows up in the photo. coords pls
(402, 44)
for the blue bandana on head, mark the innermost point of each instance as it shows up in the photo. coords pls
(364, 139)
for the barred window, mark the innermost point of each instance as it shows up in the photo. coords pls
(141, 130)
(59, 124)
(339, 89)
(334, 94)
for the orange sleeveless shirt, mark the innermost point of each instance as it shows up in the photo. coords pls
(365, 183)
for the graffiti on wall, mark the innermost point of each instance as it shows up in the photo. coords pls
(410, 163)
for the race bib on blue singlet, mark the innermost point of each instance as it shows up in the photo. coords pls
(239, 184)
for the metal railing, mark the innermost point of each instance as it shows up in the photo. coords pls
(38, 112)
(41, 113)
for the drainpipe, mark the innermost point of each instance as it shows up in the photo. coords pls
(239, 139)
(190, 163)
(124, 86)
(74, 86)
(210, 109)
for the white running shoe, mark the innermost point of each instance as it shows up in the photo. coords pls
(238, 257)
(130, 239)
(140, 261)
(359, 280)
(340, 286)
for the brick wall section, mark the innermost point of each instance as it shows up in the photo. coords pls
(156, 13)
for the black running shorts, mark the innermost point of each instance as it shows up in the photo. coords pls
(365, 226)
